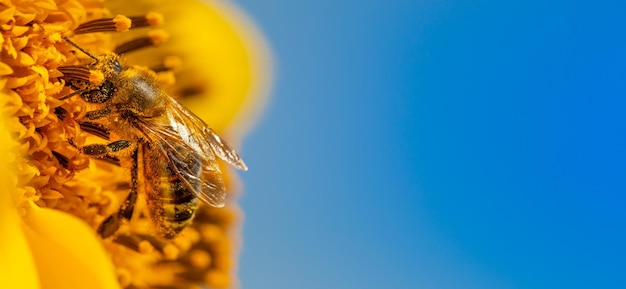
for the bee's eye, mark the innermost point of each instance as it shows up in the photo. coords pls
(107, 87)
(117, 67)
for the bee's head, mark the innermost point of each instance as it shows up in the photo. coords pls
(109, 64)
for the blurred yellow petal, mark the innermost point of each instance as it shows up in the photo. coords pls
(17, 267)
(67, 253)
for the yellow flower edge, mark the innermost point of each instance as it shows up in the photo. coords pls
(49, 247)
(67, 254)
(17, 266)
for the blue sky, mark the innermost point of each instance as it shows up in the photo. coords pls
(439, 144)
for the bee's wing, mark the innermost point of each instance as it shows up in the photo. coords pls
(184, 135)
(207, 138)
(205, 181)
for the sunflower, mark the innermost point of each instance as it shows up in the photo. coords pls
(53, 198)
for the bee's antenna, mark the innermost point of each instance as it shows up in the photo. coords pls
(81, 49)
(71, 94)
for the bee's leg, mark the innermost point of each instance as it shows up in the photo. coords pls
(95, 129)
(71, 94)
(102, 150)
(102, 132)
(106, 153)
(111, 224)
(110, 159)
(97, 114)
(92, 128)
(100, 95)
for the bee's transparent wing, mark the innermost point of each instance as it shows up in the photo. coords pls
(207, 138)
(183, 159)
(184, 136)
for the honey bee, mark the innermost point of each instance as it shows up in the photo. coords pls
(168, 145)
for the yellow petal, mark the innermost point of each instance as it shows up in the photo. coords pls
(66, 251)
(17, 268)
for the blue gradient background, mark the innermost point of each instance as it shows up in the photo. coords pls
(439, 144)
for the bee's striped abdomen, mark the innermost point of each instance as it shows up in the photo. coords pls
(171, 203)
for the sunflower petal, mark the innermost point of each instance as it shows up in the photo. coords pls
(66, 251)
(17, 268)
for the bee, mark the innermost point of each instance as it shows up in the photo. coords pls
(173, 150)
